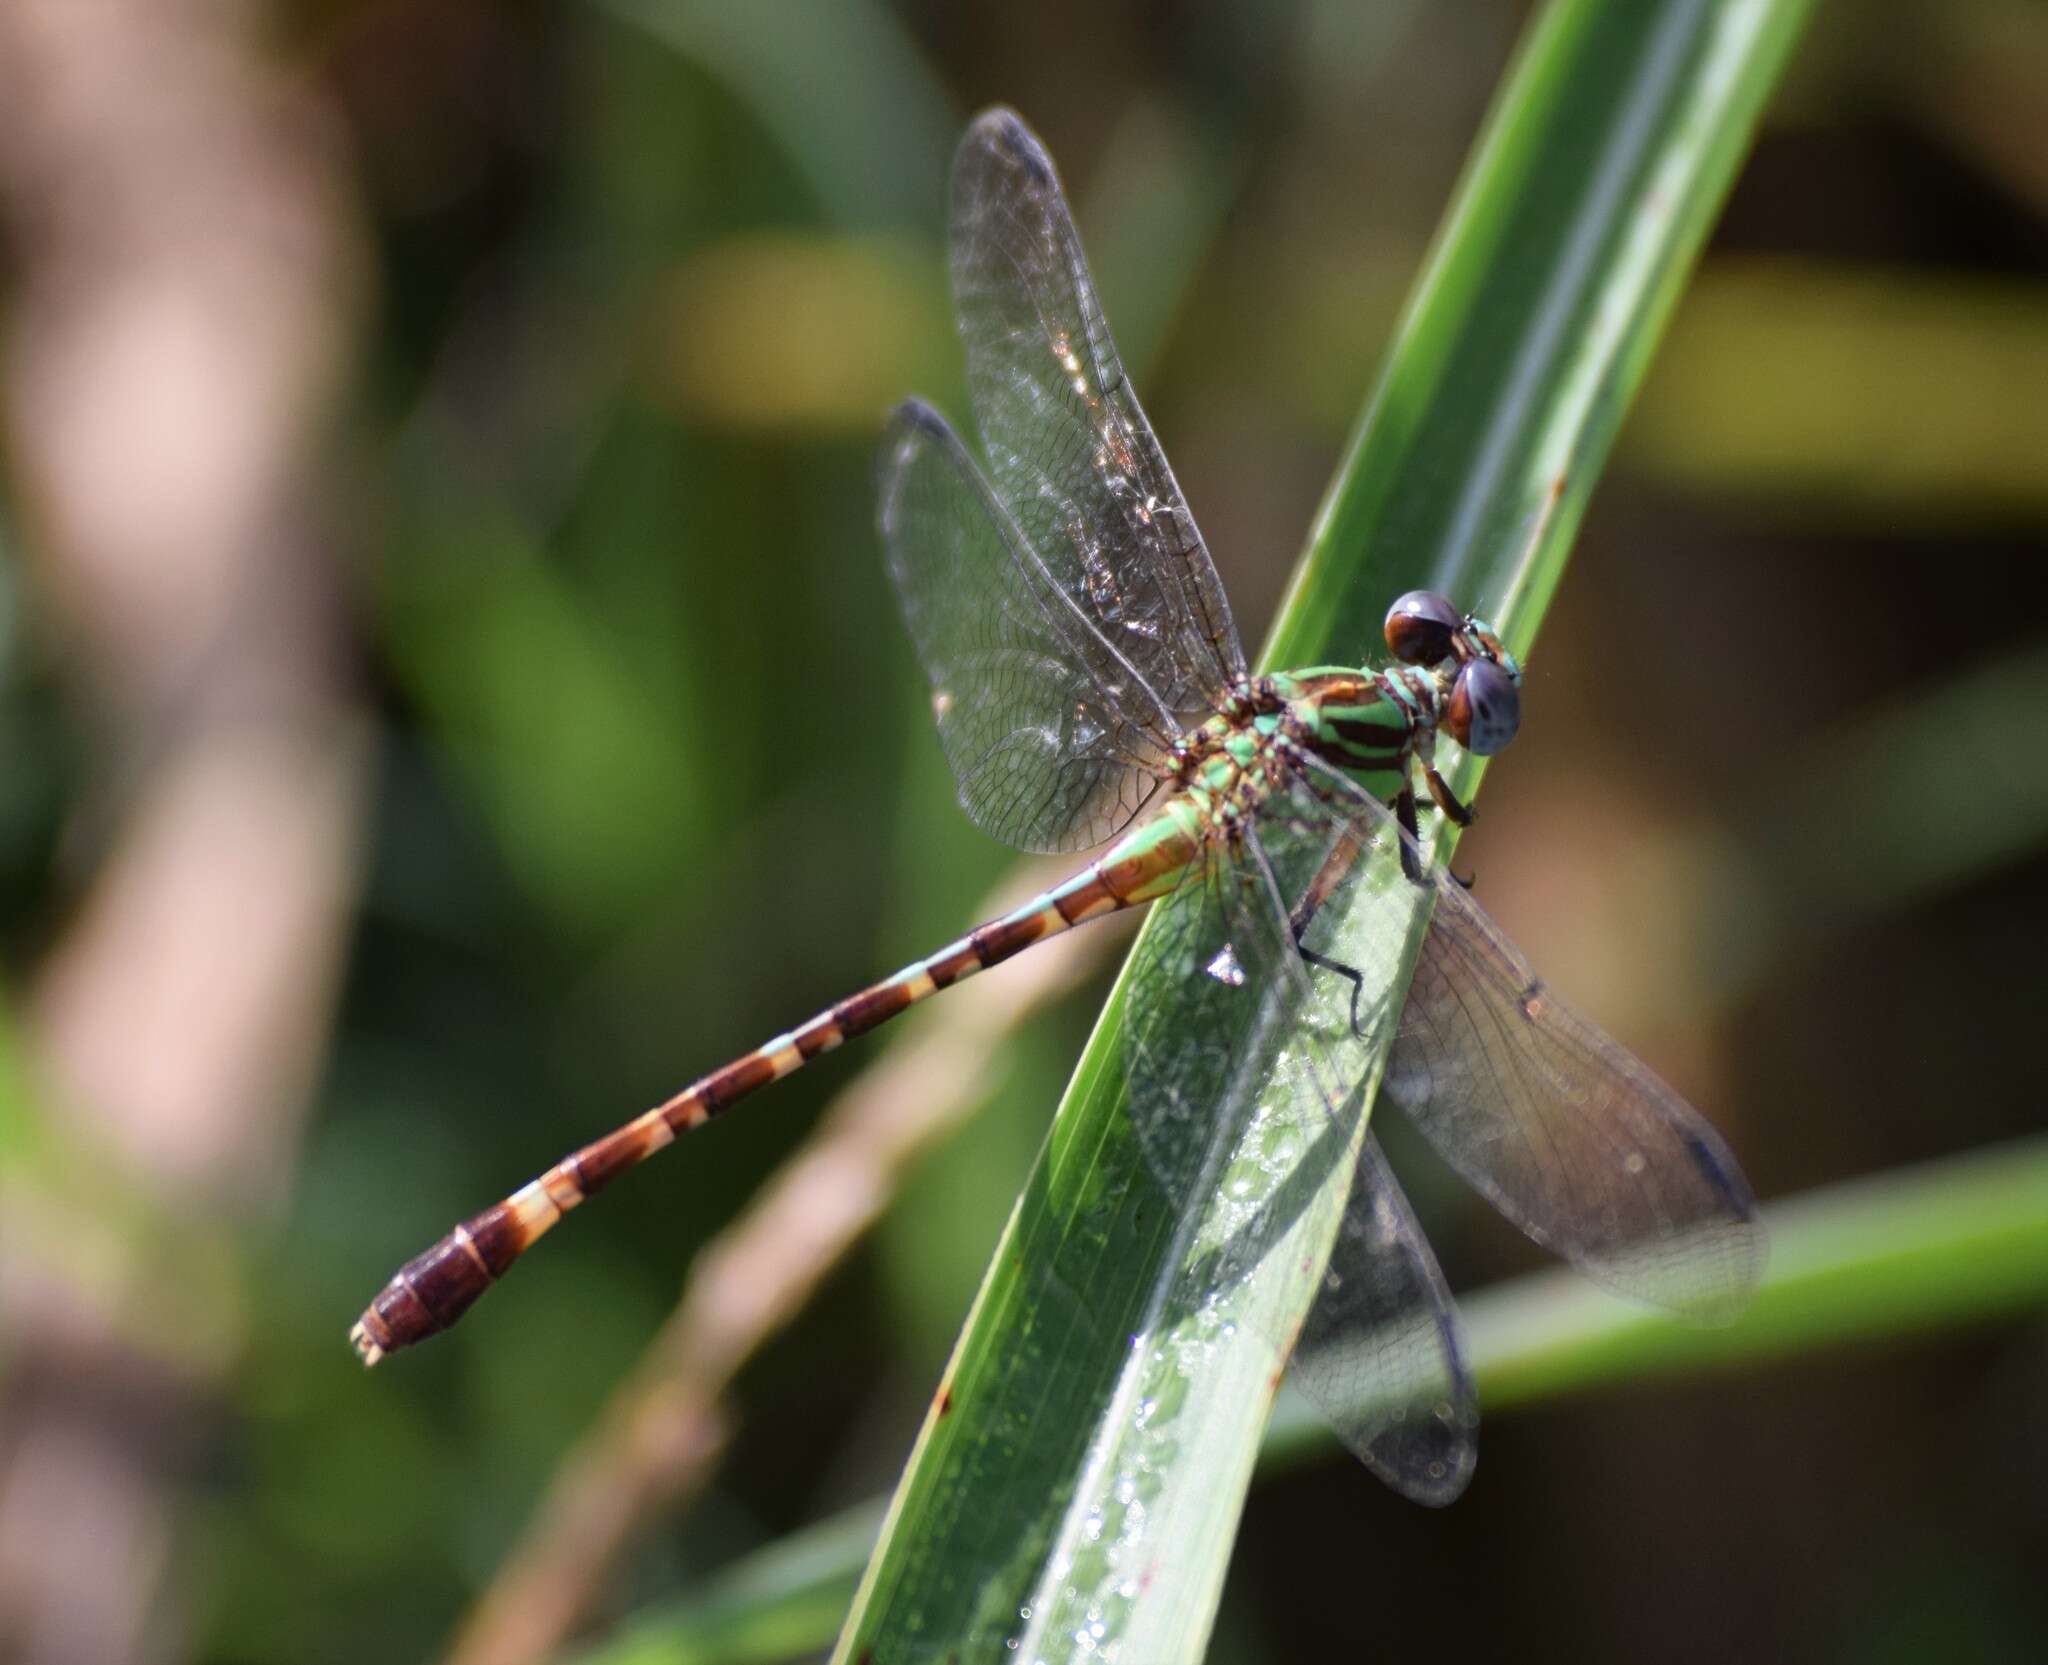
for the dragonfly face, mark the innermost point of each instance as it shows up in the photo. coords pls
(1479, 681)
(1485, 707)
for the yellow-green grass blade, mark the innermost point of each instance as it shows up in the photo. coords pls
(1077, 1483)
(1951, 1243)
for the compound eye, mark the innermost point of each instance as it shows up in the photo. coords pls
(1485, 708)
(1420, 627)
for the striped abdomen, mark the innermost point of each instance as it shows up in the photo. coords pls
(434, 1289)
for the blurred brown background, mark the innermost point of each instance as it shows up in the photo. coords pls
(449, 698)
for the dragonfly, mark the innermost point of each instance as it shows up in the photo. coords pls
(1089, 688)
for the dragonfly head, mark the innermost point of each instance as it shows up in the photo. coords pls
(1479, 680)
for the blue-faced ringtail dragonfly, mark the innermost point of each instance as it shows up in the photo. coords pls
(1089, 685)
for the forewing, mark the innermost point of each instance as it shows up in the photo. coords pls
(1566, 1132)
(1068, 446)
(1230, 1046)
(1052, 740)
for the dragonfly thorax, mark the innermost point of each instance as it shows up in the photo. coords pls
(1372, 724)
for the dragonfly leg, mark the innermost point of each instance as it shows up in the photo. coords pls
(1335, 865)
(1350, 973)
(1338, 862)
(1446, 799)
(1404, 812)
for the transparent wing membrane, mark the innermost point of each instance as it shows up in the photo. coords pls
(1381, 1356)
(1068, 446)
(1046, 729)
(1236, 1054)
(1563, 1130)
(1568, 1134)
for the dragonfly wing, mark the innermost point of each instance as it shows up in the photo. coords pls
(1381, 1355)
(1230, 1048)
(1561, 1128)
(1069, 448)
(1050, 735)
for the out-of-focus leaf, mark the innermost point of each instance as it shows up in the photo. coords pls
(816, 75)
(1869, 391)
(584, 778)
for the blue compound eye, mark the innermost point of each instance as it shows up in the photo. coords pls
(1485, 709)
(1421, 627)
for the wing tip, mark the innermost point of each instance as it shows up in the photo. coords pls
(913, 415)
(912, 426)
(1429, 1459)
(1000, 129)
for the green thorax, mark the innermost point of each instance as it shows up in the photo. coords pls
(1369, 723)
(1365, 722)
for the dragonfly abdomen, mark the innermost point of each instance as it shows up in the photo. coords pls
(432, 1290)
